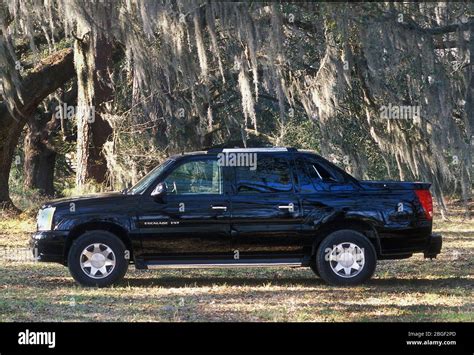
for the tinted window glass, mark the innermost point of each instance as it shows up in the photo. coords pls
(195, 177)
(304, 179)
(148, 179)
(319, 171)
(272, 174)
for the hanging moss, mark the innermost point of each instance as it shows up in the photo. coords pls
(188, 60)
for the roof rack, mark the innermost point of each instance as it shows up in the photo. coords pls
(250, 149)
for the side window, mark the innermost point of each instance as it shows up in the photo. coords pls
(305, 180)
(272, 174)
(196, 177)
(318, 171)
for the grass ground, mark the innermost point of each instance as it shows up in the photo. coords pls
(413, 289)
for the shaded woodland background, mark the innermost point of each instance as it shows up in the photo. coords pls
(93, 94)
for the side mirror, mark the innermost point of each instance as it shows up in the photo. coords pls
(159, 191)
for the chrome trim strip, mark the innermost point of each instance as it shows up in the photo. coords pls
(250, 150)
(220, 265)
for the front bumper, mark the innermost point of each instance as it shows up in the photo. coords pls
(49, 246)
(433, 248)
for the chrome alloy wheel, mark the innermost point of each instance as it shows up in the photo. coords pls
(97, 260)
(347, 259)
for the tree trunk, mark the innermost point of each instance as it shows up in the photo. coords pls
(93, 58)
(101, 129)
(53, 72)
(9, 134)
(40, 156)
(39, 149)
(84, 65)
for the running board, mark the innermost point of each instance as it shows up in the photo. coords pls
(201, 264)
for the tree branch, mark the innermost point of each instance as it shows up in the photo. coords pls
(46, 78)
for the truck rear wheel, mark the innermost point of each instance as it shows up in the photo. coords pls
(346, 258)
(97, 258)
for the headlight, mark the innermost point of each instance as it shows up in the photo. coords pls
(45, 218)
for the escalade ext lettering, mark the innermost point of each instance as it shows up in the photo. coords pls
(288, 207)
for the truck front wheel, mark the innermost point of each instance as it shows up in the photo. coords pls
(97, 258)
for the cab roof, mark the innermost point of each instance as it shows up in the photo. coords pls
(257, 149)
(242, 150)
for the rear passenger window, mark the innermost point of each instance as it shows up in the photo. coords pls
(318, 171)
(305, 180)
(272, 174)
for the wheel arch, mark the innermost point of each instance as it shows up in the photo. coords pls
(114, 228)
(358, 225)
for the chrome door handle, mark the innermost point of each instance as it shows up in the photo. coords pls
(290, 207)
(223, 208)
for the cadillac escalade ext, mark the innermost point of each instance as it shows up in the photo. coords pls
(240, 207)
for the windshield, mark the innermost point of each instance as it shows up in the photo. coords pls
(149, 178)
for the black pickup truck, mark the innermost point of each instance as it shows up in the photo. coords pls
(240, 207)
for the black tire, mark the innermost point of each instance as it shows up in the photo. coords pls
(366, 256)
(104, 239)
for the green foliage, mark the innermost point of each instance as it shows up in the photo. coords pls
(27, 200)
(302, 133)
